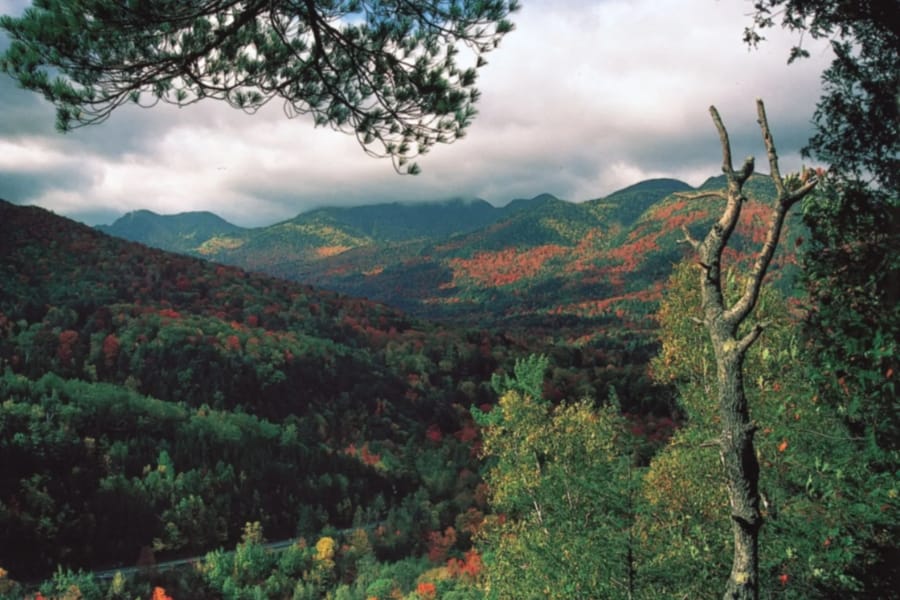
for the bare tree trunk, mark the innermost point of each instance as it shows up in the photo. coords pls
(722, 322)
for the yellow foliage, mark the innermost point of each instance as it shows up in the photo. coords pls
(217, 244)
(252, 533)
(325, 549)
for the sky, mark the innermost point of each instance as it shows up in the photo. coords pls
(582, 99)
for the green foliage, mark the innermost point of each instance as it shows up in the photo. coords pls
(69, 584)
(851, 270)
(850, 259)
(857, 125)
(384, 71)
(527, 379)
(561, 488)
(824, 508)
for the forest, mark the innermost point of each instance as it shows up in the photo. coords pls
(665, 393)
(154, 404)
(157, 406)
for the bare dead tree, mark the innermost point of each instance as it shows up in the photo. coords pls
(731, 341)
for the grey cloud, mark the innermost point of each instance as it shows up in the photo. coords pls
(573, 103)
(27, 186)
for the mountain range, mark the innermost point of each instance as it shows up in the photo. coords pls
(169, 399)
(536, 262)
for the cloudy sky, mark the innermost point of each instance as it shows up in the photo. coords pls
(583, 98)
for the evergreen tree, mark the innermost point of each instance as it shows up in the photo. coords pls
(385, 71)
(851, 259)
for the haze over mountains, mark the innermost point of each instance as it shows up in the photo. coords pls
(532, 262)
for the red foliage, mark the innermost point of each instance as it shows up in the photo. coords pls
(233, 342)
(427, 590)
(67, 340)
(656, 430)
(440, 543)
(468, 433)
(434, 434)
(110, 349)
(470, 521)
(169, 313)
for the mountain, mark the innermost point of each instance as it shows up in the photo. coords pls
(628, 204)
(398, 222)
(539, 261)
(184, 232)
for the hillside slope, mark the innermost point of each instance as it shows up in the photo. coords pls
(150, 400)
(539, 262)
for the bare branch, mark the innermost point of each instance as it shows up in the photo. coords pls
(745, 342)
(770, 148)
(802, 191)
(783, 202)
(723, 139)
(689, 238)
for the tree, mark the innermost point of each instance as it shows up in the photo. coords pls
(731, 339)
(851, 264)
(562, 485)
(851, 260)
(385, 71)
(823, 506)
(857, 125)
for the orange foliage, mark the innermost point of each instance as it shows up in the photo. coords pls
(369, 458)
(326, 251)
(364, 454)
(160, 594)
(468, 568)
(504, 267)
(593, 308)
(427, 590)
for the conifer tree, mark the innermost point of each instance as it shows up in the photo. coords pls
(386, 71)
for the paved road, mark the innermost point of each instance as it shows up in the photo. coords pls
(169, 565)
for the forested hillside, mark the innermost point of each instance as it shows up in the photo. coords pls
(156, 403)
(541, 263)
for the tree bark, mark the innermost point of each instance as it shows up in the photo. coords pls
(738, 455)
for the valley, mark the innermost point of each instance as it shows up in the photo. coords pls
(306, 379)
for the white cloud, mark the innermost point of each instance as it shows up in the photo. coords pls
(582, 99)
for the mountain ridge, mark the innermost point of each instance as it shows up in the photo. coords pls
(534, 260)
